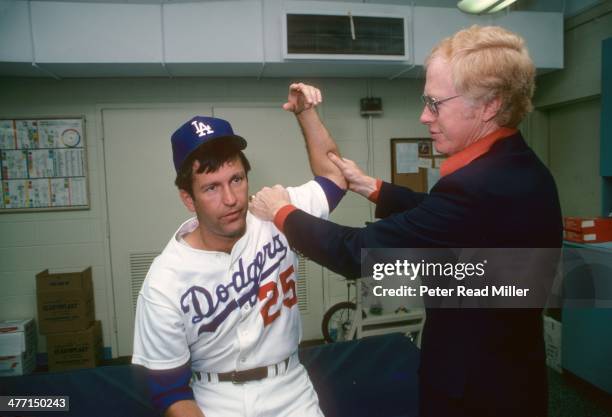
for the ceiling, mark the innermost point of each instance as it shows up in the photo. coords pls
(68, 69)
(568, 7)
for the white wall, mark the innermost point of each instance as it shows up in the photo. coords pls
(567, 128)
(67, 241)
(574, 156)
(581, 77)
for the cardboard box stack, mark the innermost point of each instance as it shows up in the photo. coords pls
(71, 350)
(17, 347)
(66, 317)
(587, 229)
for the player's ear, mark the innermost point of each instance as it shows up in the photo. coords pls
(187, 200)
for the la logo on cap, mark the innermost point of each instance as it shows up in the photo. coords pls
(202, 129)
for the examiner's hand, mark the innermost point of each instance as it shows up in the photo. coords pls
(302, 97)
(358, 181)
(267, 201)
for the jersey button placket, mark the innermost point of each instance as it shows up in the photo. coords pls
(242, 334)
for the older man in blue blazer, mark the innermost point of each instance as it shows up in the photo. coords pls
(494, 192)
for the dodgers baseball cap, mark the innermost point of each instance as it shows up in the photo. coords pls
(200, 130)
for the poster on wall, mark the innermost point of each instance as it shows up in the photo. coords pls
(43, 164)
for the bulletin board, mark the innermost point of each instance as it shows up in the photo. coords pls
(43, 164)
(415, 163)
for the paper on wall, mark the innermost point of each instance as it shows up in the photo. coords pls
(406, 158)
(7, 134)
(424, 162)
(42, 164)
(78, 191)
(14, 164)
(27, 134)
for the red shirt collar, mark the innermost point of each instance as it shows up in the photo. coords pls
(476, 149)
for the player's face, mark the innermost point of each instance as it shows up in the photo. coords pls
(220, 201)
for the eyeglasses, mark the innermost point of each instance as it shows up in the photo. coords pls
(433, 103)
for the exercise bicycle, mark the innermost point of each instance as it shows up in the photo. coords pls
(348, 320)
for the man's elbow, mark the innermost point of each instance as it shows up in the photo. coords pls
(337, 178)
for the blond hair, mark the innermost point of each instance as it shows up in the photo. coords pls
(489, 62)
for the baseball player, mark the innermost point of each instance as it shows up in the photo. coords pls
(217, 321)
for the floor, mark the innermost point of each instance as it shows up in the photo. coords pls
(569, 396)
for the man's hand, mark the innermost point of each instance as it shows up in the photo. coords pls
(357, 180)
(302, 97)
(267, 201)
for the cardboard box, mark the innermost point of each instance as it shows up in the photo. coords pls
(587, 229)
(552, 340)
(65, 301)
(17, 347)
(595, 237)
(16, 365)
(586, 224)
(72, 350)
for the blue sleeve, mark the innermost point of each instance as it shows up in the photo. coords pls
(169, 386)
(394, 199)
(333, 193)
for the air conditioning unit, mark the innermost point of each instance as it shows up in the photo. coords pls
(347, 36)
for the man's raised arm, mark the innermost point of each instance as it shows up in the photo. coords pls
(302, 101)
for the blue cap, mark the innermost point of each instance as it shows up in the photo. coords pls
(198, 131)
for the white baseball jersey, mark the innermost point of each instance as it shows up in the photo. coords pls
(224, 311)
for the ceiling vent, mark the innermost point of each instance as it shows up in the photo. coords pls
(326, 36)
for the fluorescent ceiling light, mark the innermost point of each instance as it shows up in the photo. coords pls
(483, 6)
(501, 6)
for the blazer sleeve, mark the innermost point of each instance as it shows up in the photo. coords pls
(437, 222)
(395, 199)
